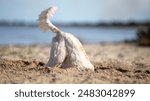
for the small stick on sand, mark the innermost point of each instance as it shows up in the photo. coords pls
(66, 50)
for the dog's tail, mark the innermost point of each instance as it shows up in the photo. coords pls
(44, 22)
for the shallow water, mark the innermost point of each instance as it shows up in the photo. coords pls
(33, 35)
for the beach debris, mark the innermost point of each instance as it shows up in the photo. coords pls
(66, 49)
(143, 36)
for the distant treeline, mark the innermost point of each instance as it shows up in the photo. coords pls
(100, 24)
(17, 23)
(112, 24)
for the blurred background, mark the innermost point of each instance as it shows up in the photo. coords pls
(92, 21)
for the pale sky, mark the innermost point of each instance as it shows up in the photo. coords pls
(77, 10)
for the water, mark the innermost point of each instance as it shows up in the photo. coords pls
(33, 35)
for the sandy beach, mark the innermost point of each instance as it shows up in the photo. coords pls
(114, 63)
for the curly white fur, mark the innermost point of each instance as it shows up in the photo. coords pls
(66, 50)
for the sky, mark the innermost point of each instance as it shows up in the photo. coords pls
(77, 10)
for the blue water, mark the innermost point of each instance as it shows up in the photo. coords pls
(33, 35)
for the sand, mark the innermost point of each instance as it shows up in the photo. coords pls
(114, 63)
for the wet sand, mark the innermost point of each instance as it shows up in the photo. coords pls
(114, 63)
